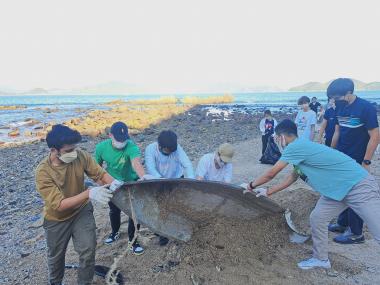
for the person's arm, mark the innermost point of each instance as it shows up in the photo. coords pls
(374, 139)
(105, 179)
(322, 130)
(297, 118)
(228, 176)
(321, 108)
(312, 131)
(95, 171)
(284, 184)
(267, 176)
(275, 123)
(150, 162)
(186, 163)
(98, 155)
(53, 197)
(262, 126)
(335, 138)
(201, 170)
(137, 167)
(369, 118)
(73, 202)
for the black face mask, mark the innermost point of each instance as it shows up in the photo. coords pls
(340, 104)
(164, 153)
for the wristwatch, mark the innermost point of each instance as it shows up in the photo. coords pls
(367, 162)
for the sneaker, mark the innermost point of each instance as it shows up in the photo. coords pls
(163, 241)
(349, 238)
(112, 238)
(314, 263)
(137, 249)
(336, 228)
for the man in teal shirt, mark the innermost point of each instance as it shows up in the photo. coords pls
(341, 182)
(122, 158)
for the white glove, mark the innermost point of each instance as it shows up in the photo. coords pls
(100, 194)
(261, 192)
(148, 177)
(115, 185)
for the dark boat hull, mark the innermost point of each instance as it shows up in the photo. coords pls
(175, 207)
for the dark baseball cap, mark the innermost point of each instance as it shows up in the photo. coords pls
(119, 130)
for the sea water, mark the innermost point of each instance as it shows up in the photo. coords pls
(60, 108)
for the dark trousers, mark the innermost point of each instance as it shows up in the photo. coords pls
(264, 140)
(348, 218)
(81, 230)
(328, 141)
(115, 218)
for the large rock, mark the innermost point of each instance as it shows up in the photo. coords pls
(14, 133)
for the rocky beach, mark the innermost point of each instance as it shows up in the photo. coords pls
(241, 256)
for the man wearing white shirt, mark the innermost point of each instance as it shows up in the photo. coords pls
(216, 166)
(166, 159)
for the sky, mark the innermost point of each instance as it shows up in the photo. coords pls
(187, 46)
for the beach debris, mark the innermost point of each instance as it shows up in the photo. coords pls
(332, 273)
(196, 280)
(167, 267)
(100, 271)
(14, 133)
(25, 253)
(296, 236)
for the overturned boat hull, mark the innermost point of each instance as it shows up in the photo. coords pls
(175, 207)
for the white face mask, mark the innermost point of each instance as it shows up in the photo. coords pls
(119, 145)
(68, 157)
(218, 161)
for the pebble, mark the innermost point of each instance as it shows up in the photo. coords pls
(332, 273)
(25, 254)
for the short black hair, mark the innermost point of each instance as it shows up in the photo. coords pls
(340, 87)
(267, 112)
(286, 127)
(303, 100)
(61, 135)
(167, 139)
(314, 98)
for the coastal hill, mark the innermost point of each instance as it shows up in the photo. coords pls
(122, 88)
(318, 86)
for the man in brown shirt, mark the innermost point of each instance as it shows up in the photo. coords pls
(68, 212)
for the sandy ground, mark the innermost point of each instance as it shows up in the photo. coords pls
(230, 253)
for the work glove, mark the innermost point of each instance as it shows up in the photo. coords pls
(115, 185)
(261, 192)
(100, 194)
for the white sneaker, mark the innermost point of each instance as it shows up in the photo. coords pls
(112, 238)
(314, 263)
(136, 249)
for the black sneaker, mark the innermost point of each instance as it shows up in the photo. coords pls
(137, 249)
(112, 238)
(349, 238)
(336, 228)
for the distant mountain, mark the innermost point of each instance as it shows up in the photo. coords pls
(318, 86)
(36, 91)
(109, 88)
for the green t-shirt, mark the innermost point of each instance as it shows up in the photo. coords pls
(118, 161)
